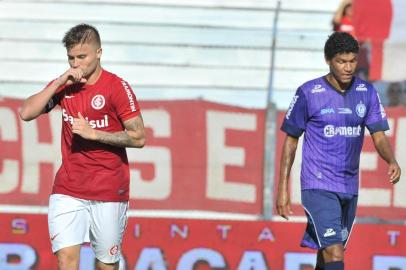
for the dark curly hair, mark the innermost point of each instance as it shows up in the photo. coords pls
(340, 42)
(79, 34)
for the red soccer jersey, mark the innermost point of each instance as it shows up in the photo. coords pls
(93, 170)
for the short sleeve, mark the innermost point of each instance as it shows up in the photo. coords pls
(125, 101)
(376, 117)
(296, 116)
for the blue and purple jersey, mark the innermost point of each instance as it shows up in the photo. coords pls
(334, 123)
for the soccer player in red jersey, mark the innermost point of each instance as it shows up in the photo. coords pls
(100, 118)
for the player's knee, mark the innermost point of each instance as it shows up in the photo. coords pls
(106, 266)
(333, 253)
(66, 262)
(68, 258)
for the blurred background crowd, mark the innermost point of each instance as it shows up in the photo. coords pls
(391, 93)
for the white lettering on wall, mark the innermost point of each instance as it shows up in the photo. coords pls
(8, 132)
(219, 156)
(158, 188)
(399, 198)
(36, 152)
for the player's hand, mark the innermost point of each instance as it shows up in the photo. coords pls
(394, 173)
(283, 206)
(71, 76)
(81, 127)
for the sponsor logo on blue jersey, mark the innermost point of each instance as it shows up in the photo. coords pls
(331, 131)
(327, 111)
(344, 111)
(361, 109)
(318, 89)
(361, 87)
(292, 104)
(383, 113)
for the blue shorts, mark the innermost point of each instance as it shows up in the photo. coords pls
(330, 217)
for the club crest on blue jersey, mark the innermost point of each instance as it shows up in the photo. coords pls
(361, 109)
(344, 234)
(361, 87)
(98, 102)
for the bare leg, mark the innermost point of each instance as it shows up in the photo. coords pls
(333, 253)
(334, 257)
(68, 258)
(320, 259)
(106, 266)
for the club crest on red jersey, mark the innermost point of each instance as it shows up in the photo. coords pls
(98, 102)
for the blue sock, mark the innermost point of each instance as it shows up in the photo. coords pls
(334, 265)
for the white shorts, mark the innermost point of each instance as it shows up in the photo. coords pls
(74, 221)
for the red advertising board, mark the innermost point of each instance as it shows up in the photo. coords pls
(199, 156)
(183, 244)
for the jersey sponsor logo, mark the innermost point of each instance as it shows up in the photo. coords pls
(383, 113)
(130, 96)
(113, 250)
(329, 232)
(361, 87)
(96, 123)
(344, 111)
(382, 109)
(361, 109)
(318, 89)
(327, 111)
(292, 104)
(98, 102)
(331, 131)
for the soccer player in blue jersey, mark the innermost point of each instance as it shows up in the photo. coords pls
(332, 111)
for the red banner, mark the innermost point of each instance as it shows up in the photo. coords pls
(202, 244)
(199, 156)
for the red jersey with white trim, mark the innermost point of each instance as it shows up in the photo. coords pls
(92, 170)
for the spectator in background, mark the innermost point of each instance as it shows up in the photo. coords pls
(342, 20)
(395, 95)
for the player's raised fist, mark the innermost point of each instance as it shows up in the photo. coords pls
(71, 76)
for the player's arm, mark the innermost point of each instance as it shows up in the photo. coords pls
(35, 105)
(384, 149)
(132, 136)
(288, 156)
